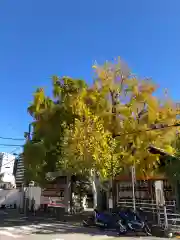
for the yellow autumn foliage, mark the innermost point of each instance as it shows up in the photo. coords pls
(106, 127)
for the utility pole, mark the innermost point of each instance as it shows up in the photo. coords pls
(114, 100)
(28, 138)
(29, 132)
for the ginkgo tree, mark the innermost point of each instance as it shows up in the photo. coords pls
(130, 111)
(98, 130)
(66, 134)
(52, 117)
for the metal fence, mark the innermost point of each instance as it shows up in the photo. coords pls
(157, 215)
(147, 205)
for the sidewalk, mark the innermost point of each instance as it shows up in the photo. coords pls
(61, 217)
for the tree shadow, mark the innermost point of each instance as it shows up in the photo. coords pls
(47, 227)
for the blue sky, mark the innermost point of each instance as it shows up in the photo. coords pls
(41, 38)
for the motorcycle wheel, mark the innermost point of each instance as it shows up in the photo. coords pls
(85, 223)
(122, 230)
(147, 230)
(89, 222)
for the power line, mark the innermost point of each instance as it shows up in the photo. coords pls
(134, 132)
(14, 139)
(5, 147)
(148, 130)
(11, 145)
(14, 150)
(10, 160)
(117, 135)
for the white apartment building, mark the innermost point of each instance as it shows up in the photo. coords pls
(7, 161)
(19, 174)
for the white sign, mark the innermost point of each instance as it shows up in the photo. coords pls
(159, 193)
(110, 203)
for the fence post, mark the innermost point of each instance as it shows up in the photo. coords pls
(165, 216)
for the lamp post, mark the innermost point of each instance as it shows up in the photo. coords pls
(28, 138)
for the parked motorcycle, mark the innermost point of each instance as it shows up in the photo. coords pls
(104, 221)
(124, 221)
(132, 222)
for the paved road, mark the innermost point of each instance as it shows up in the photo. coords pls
(29, 229)
(50, 231)
(57, 231)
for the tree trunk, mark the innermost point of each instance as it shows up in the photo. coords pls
(94, 189)
(80, 195)
(68, 194)
(114, 193)
(71, 194)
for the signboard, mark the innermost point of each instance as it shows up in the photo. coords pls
(52, 202)
(60, 205)
(133, 175)
(56, 202)
(159, 193)
(110, 203)
(54, 193)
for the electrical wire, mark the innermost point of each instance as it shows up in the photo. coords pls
(148, 130)
(14, 139)
(14, 150)
(117, 135)
(10, 160)
(134, 132)
(11, 145)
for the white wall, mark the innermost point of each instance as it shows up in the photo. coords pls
(34, 193)
(8, 197)
(12, 196)
(8, 178)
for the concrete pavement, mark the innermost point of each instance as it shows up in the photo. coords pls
(14, 226)
(51, 231)
(58, 231)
